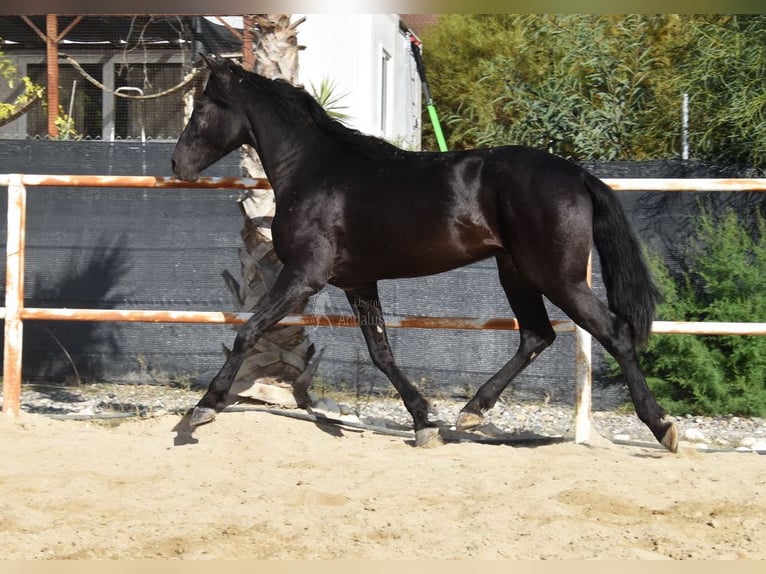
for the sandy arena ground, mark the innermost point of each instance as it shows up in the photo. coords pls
(258, 485)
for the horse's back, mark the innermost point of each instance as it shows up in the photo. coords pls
(424, 213)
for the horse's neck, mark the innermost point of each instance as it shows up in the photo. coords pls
(286, 152)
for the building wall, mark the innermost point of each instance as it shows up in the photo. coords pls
(360, 53)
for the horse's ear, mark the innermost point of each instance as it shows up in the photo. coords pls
(217, 65)
(209, 60)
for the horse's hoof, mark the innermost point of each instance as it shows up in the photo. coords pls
(670, 438)
(428, 438)
(201, 416)
(467, 420)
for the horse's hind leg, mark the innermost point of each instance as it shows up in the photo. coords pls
(535, 334)
(614, 333)
(366, 306)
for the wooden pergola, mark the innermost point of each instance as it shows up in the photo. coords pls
(52, 38)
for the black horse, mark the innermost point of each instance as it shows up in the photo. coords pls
(352, 209)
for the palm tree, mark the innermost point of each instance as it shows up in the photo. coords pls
(277, 369)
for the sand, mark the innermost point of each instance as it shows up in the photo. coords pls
(259, 485)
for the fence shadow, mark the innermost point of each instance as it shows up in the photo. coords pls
(58, 351)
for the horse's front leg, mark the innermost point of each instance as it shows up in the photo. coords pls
(292, 288)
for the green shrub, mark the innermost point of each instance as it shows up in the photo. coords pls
(724, 280)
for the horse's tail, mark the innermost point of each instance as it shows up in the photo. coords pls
(631, 292)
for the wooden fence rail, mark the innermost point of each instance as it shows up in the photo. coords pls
(14, 313)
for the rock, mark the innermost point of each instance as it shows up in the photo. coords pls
(328, 405)
(759, 446)
(621, 436)
(376, 422)
(747, 442)
(694, 435)
(329, 408)
(348, 415)
(345, 409)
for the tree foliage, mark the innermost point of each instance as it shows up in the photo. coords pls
(724, 280)
(602, 87)
(32, 92)
(723, 71)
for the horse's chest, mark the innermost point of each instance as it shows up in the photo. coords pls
(300, 229)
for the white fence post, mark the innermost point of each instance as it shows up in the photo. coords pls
(583, 380)
(583, 376)
(14, 294)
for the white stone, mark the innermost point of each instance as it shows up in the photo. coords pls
(747, 441)
(325, 407)
(376, 422)
(346, 410)
(759, 445)
(329, 405)
(621, 436)
(694, 435)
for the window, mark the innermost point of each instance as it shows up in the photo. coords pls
(85, 107)
(385, 64)
(157, 118)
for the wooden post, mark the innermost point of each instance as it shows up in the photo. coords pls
(52, 61)
(248, 59)
(14, 295)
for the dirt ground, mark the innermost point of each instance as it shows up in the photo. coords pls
(258, 485)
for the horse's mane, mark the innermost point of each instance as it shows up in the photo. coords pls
(292, 103)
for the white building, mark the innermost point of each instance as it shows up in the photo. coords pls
(368, 57)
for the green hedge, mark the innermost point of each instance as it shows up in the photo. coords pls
(724, 279)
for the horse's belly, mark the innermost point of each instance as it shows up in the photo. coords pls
(356, 269)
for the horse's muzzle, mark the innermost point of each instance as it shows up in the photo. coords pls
(184, 174)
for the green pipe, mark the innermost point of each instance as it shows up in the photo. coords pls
(437, 126)
(415, 46)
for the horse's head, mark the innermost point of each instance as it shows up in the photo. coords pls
(217, 125)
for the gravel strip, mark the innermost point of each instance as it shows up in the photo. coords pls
(107, 400)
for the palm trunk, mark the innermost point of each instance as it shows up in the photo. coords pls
(276, 370)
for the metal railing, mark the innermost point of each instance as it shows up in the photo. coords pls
(15, 313)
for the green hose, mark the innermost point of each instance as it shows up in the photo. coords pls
(415, 46)
(437, 127)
